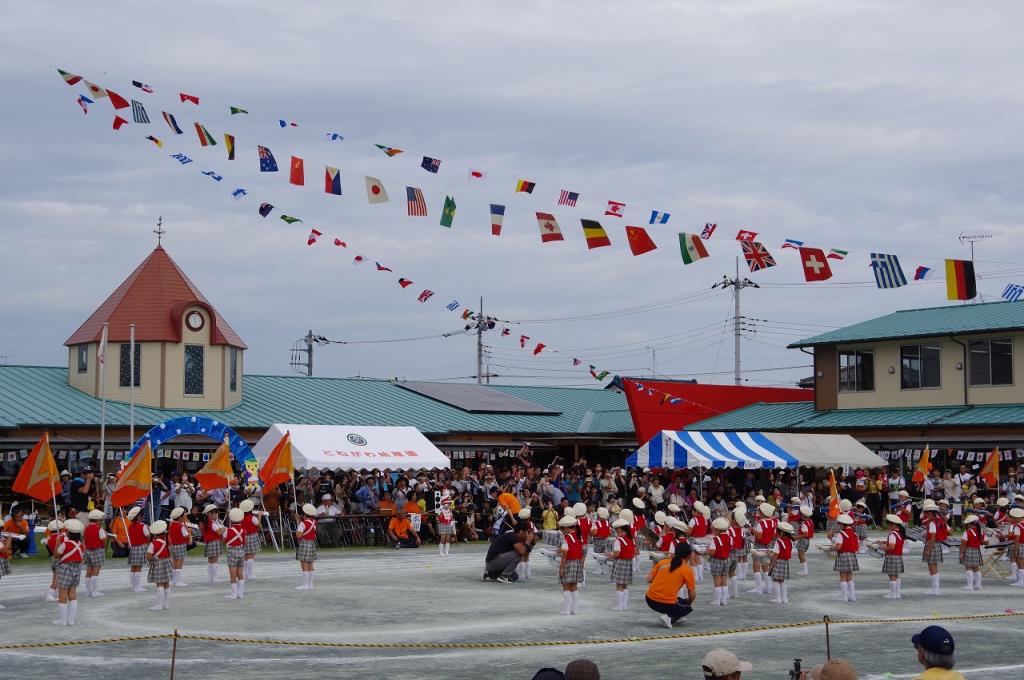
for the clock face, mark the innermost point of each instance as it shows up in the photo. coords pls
(194, 321)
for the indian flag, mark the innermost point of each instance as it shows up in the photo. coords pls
(692, 248)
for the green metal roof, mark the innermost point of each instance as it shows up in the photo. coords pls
(928, 322)
(40, 396)
(801, 416)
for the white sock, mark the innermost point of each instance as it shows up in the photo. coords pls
(209, 572)
(72, 612)
(62, 616)
(247, 570)
(734, 587)
(977, 580)
(844, 591)
(717, 597)
(311, 579)
(1020, 576)
(935, 584)
(623, 599)
(131, 579)
(575, 600)
(777, 589)
(88, 585)
(853, 591)
(725, 594)
(175, 576)
(167, 597)
(969, 575)
(566, 602)
(700, 572)
(785, 593)
(899, 588)
(440, 549)
(805, 568)
(234, 591)
(241, 589)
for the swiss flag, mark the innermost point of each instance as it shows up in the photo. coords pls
(744, 235)
(815, 264)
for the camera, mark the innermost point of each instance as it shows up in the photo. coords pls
(796, 671)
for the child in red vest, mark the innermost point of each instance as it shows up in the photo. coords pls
(764, 536)
(621, 556)
(69, 571)
(738, 555)
(251, 525)
(445, 525)
(234, 539)
(213, 541)
(699, 529)
(719, 555)
(847, 546)
(892, 563)
(804, 534)
(306, 553)
(1015, 535)
(970, 551)
(778, 569)
(178, 536)
(602, 533)
(5, 556)
(138, 539)
(160, 571)
(932, 554)
(571, 566)
(94, 538)
(55, 534)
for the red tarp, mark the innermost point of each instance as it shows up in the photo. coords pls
(699, 402)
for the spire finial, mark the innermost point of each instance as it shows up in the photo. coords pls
(159, 231)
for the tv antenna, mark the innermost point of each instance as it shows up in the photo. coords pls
(972, 239)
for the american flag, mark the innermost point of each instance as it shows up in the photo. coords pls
(568, 198)
(757, 256)
(417, 206)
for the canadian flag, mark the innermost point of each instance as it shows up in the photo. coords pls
(744, 235)
(313, 236)
(615, 208)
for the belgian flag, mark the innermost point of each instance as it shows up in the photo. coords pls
(960, 282)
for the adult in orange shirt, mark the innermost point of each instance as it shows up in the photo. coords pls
(387, 505)
(667, 578)
(401, 532)
(119, 536)
(17, 524)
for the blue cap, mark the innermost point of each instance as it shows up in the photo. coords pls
(934, 639)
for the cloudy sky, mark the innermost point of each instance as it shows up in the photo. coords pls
(865, 126)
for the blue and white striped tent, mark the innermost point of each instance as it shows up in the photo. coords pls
(686, 449)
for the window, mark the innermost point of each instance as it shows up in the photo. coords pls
(126, 349)
(919, 366)
(856, 370)
(83, 358)
(233, 370)
(991, 362)
(194, 369)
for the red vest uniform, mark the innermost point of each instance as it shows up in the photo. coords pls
(235, 537)
(667, 540)
(625, 547)
(972, 537)
(603, 528)
(721, 546)
(91, 537)
(444, 516)
(894, 544)
(699, 527)
(794, 514)
(941, 529)
(584, 525)
(807, 528)
(307, 529)
(1000, 517)
(72, 551)
(160, 548)
(52, 541)
(251, 524)
(209, 535)
(736, 537)
(137, 533)
(906, 514)
(178, 533)
(767, 531)
(573, 546)
(785, 546)
(851, 543)
(638, 523)
(1016, 533)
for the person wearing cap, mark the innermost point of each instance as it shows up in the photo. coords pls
(306, 550)
(213, 540)
(69, 571)
(970, 551)
(55, 531)
(778, 568)
(327, 529)
(892, 563)
(739, 550)
(719, 553)
(570, 567)
(1002, 507)
(804, 534)
(1015, 535)
(81, 488)
(935, 649)
(94, 540)
(584, 522)
(179, 536)
(721, 664)
(860, 523)
(621, 555)
(253, 539)
(764, 535)
(793, 514)
(524, 570)
(847, 546)
(904, 507)
(234, 540)
(445, 525)
(582, 669)
(699, 528)
(602, 533)
(666, 579)
(138, 540)
(160, 570)
(932, 552)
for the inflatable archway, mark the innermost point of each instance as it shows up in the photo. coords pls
(204, 427)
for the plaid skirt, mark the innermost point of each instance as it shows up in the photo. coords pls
(780, 572)
(235, 557)
(861, 530)
(971, 558)
(446, 529)
(1013, 552)
(54, 563)
(892, 565)
(601, 545)
(831, 526)
(846, 562)
(94, 558)
(252, 543)
(137, 556)
(741, 552)
(733, 563)
(213, 549)
(306, 551)
(5, 567)
(803, 544)
(622, 572)
(719, 567)
(933, 556)
(573, 572)
(69, 574)
(178, 551)
(159, 571)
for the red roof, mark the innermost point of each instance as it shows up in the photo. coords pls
(652, 413)
(153, 298)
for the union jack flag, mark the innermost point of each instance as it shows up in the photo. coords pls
(709, 229)
(756, 255)
(425, 295)
(568, 198)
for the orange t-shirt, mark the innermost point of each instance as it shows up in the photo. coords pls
(401, 527)
(387, 507)
(119, 529)
(666, 584)
(412, 508)
(12, 527)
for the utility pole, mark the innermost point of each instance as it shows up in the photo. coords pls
(654, 361)
(304, 345)
(737, 285)
(480, 346)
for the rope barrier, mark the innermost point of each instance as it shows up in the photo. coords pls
(502, 645)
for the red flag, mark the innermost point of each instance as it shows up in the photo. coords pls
(990, 470)
(522, 341)
(217, 472)
(833, 496)
(639, 240)
(38, 476)
(744, 235)
(188, 98)
(298, 175)
(539, 348)
(815, 264)
(117, 100)
(339, 242)
(118, 122)
(404, 283)
(924, 466)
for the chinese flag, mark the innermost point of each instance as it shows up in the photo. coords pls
(833, 496)
(924, 466)
(990, 470)
(639, 240)
(136, 479)
(298, 176)
(38, 476)
(217, 472)
(278, 469)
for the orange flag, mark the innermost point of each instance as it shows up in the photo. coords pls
(136, 479)
(510, 503)
(924, 466)
(217, 472)
(278, 468)
(833, 495)
(38, 476)
(990, 470)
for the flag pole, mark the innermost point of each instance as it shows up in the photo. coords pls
(101, 357)
(126, 531)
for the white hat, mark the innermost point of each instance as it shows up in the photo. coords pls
(524, 513)
(845, 505)
(626, 514)
(929, 506)
(177, 512)
(158, 527)
(602, 512)
(246, 505)
(672, 507)
(659, 517)
(309, 510)
(903, 494)
(795, 500)
(326, 497)
(678, 524)
(619, 523)
(236, 515)
(759, 498)
(806, 511)
(740, 505)
(706, 511)
(54, 526)
(567, 521)
(1002, 502)
(787, 527)
(1018, 497)
(579, 509)
(970, 519)
(980, 500)
(209, 508)
(1016, 513)
(844, 519)
(766, 509)
(943, 501)
(741, 518)
(720, 523)
(638, 504)
(568, 512)
(134, 512)
(893, 519)
(722, 663)
(698, 506)
(73, 526)
(861, 503)
(95, 515)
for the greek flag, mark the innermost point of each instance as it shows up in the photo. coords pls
(888, 273)
(1013, 292)
(139, 113)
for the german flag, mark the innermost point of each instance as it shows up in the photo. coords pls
(595, 234)
(525, 187)
(960, 282)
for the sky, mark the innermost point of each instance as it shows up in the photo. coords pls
(863, 126)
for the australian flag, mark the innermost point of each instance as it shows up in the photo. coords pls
(267, 162)
(265, 209)
(430, 164)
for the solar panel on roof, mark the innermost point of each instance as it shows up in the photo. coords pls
(477, 398)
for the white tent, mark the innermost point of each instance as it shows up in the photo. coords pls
(353, 447)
